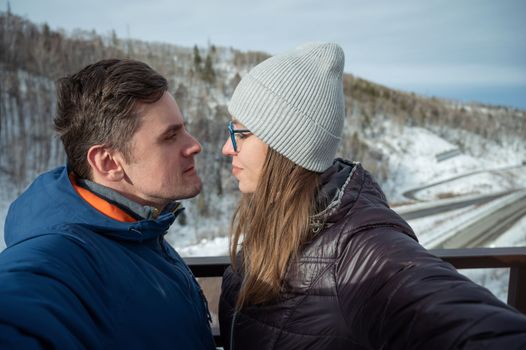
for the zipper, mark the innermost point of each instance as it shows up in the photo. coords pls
(205, 304)
(232, 331)
(193, 282)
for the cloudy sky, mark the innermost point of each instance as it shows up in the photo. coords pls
(464, 49)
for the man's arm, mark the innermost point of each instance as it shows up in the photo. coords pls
(12, 338)
(44, 297)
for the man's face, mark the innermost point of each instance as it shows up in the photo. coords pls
(162, 168)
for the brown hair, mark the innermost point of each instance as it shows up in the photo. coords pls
(272, 223)
(98, 106)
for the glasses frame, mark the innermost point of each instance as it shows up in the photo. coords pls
(233, 133)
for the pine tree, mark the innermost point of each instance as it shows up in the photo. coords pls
(197, 59)
(208, 74)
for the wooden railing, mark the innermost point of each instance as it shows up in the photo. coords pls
(473, 258)
(480, 258)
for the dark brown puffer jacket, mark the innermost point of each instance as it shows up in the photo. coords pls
(364, 282)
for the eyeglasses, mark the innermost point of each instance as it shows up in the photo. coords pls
(233, 133)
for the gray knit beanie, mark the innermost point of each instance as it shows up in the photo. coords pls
(294, 103)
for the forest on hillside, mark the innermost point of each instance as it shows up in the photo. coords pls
(202, 79)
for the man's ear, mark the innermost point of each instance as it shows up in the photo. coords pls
(106, 164)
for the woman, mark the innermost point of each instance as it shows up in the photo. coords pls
(319, 261)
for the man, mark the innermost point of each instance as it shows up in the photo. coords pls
(86, 263)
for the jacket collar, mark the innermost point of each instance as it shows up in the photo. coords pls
(347, 189)
(54, 206)
(128, 210)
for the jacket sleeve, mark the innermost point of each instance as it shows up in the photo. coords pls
(12, 338)
(42, 296)
(394, 294)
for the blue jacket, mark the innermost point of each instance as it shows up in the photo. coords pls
(73, 278)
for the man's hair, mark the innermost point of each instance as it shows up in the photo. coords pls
(98, 106)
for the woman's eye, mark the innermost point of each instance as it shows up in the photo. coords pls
(242, 135)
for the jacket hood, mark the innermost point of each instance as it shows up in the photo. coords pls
(51, 205)
(350, 190)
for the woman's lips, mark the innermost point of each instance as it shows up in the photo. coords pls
(235, 170)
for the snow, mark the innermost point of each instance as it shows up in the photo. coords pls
(414, 206)
(200, 231)
(432, 230)
(206, 247)
(412, 159)
(496, 280)
(435, 228)
(411, 155)
(514, 237)
(493, 180)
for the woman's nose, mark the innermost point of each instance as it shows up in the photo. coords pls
(228, 148)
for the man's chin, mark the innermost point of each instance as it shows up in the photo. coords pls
(191, 190)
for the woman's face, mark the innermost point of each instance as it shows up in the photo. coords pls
(247, 162)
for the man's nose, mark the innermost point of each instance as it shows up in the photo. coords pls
(194, 147)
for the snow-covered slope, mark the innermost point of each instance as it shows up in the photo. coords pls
(412, 155)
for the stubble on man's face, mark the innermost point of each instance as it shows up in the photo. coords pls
(162, 151)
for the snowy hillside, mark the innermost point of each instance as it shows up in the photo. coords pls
(412, 155)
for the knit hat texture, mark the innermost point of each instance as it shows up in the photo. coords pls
(294, 103)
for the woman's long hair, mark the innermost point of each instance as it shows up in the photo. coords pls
(271, 225)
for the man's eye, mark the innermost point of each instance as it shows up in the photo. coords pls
(171, 137)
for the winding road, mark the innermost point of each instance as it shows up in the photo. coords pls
(481, 230)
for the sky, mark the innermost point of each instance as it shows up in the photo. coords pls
(467, 50)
